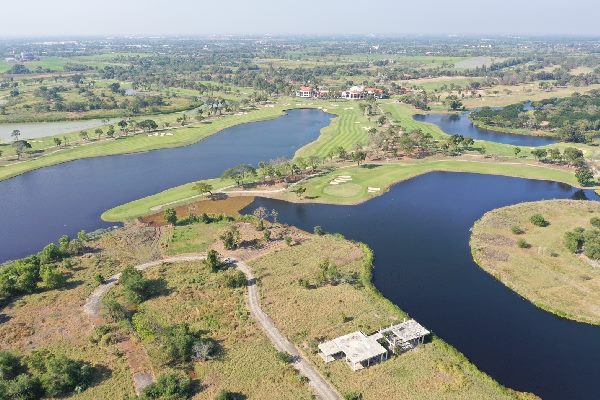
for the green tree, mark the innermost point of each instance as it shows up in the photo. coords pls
(170, 216)
(359, 156)
(231, 238)
(517, 151)
(58, 374)
(52, 277)
(239, 173)
(539, 154)
(213, 261)
(168, 387)
(15, 134)
(538, 220)
(9, 365)
(135, 285)
(148, 125)
(203, 187)
(584, 176)
(84, 135)
(20, 147)
(299, 190)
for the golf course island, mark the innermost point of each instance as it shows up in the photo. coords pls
(547, 252)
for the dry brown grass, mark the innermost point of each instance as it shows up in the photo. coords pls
(54, 319)
(547, 274)
(248, 363)
(306, 316)
(229, 206)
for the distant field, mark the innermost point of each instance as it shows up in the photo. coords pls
(475, 62)
(498, 96)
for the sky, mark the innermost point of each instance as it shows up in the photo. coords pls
(320, 17)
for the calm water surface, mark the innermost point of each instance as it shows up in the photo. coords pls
(419, 232)
(33, 130)
(460, 124)
(41, 205)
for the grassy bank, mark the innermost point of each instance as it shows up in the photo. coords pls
(131, 144)
(546, 273)
(380, 176)
(306, 316)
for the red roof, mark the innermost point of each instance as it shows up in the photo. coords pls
(306, 89)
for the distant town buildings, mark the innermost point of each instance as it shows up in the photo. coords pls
(353, 93)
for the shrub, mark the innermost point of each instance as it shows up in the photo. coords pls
(181, 344)
(234, 279)
(285, 357)
(99, 278)
(288, 240)
(227, 395)
(203, 350)
(23, 387)
(49, 254)
(58, 374)
(137, 288)
(318, 230)
(517, 230)
(538, 220)
(169, 386)
(591, 246)
(574, 240)
(305, 283)
(522, 243)
(353, 396)
(170, 216)
(328, 274)
(231, 238)
(99, 332)
(267, 235)
(114, 311)
(213, 261)
(9, 365)
(52, 278)
(595, 221)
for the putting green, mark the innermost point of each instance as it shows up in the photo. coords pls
(343, 190)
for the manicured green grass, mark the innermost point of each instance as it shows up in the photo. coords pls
(142, 142)
(381, 176)
(319, 189)
(348, 129)
(174, 196)
(194, 238)
(402, 114)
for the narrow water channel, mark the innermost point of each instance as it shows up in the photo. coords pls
(39, 206)
(460, 124)
(419, 232)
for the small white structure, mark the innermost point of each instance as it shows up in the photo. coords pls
(404, 336)
(358, 349)
(305, 92)
(361, 92)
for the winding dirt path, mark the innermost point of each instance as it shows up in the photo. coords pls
(323, 389)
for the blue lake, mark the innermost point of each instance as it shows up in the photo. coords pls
(39, 206)
(460, 124)
(419, 232)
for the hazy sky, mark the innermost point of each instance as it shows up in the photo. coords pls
(76, 17)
